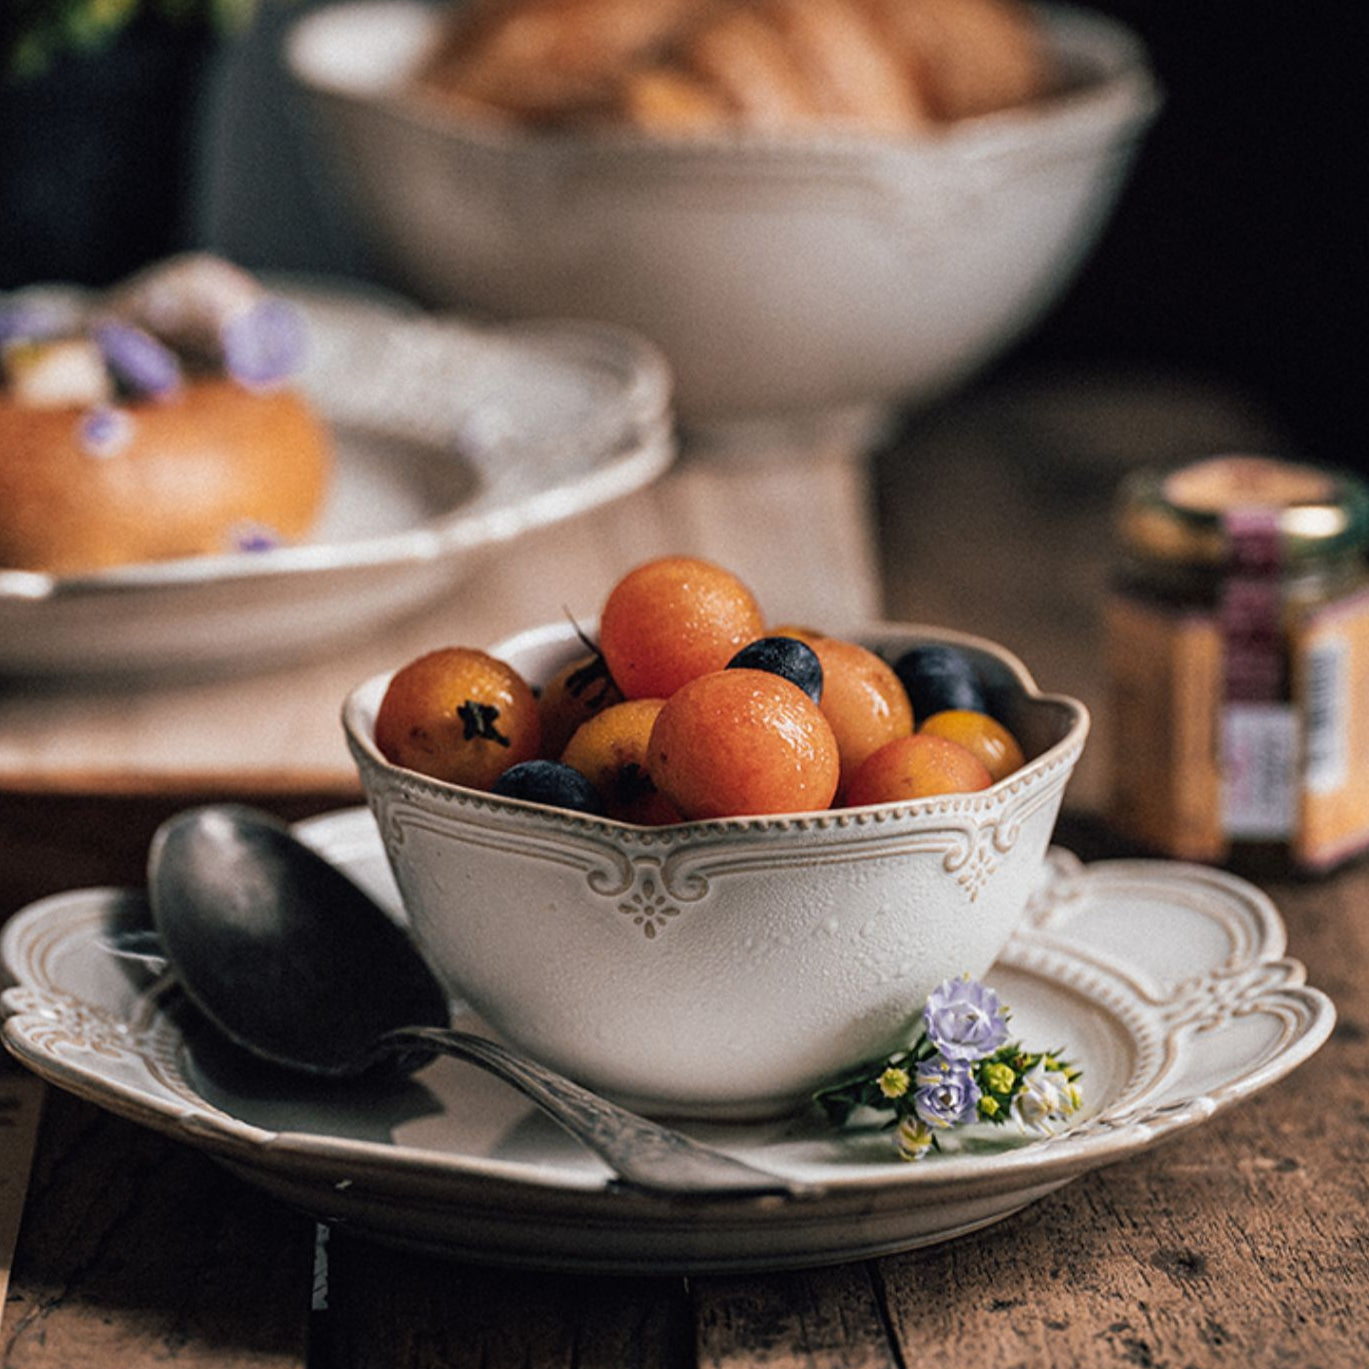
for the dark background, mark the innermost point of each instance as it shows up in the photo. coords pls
(1236, 255)
(1237, 251)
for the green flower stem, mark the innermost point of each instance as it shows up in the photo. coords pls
(884, 1085)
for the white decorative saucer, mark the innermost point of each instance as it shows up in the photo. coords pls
(449, 439)
(1166, 982)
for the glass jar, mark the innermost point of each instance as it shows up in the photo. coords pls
(1237, 640)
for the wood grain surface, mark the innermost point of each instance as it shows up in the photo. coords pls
(21, 1101)
(1244, 1243)
(138, 1251)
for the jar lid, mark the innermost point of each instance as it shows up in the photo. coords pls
(1185, 514)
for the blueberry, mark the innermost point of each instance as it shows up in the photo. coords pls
(552, 783)
(787, 657)
(939, 677)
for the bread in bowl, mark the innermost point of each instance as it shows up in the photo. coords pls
(895, 67)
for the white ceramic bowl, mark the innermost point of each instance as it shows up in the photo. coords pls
(722, 968)
(777, 273)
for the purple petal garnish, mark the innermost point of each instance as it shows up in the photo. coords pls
(28, 322)
(946, 1094)
(137, 361)
(264, 344)
(254, 537)
(964, 1020)
(105, 431)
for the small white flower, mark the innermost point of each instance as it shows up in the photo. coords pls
(1074, 1097)
(1046, 1097)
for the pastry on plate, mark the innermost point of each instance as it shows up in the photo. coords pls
(154, 420)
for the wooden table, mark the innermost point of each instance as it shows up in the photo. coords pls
(1244, 1245)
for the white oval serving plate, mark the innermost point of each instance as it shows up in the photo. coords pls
(450, 439)
(1166, 982)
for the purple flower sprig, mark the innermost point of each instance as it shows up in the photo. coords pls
(961, 1068)
(964, 1020)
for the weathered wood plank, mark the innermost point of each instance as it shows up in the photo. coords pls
(136, 1251)
(1244, 1245)
(389, 1307)
(21, 1101)
(818, 1319)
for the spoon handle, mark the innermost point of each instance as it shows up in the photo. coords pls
(642, 1154)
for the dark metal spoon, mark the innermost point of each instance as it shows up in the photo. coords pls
(296, 964)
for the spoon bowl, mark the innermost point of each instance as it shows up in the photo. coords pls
(297, 965)
(284, 953)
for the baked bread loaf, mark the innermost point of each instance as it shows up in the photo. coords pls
(678, 66)
(157, 421)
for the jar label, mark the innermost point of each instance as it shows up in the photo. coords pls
(1259, 726)
(1331, 682)
(1326, 707)
(1259, 771)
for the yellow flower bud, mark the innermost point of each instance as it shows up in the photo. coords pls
(914, 1138)
(999, 1077)
(894, 1082)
